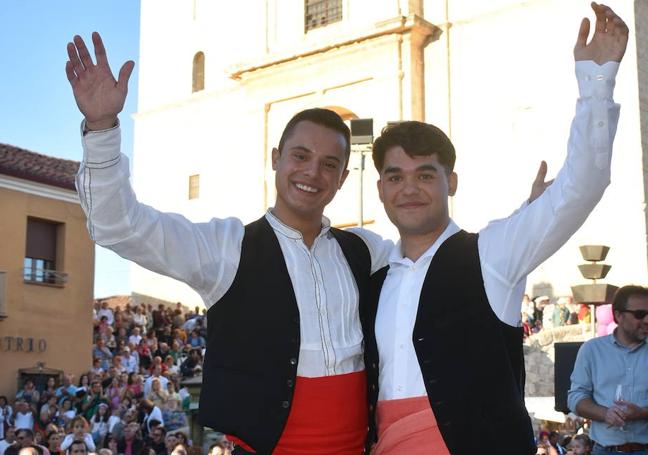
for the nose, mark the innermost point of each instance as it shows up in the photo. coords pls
(410, 186)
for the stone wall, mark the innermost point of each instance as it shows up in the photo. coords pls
(539, 357)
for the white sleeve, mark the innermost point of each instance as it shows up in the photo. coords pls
(203, 255)
(67, 441)
(379, 248)
(511, 248)
(89, 442)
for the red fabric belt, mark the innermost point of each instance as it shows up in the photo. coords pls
(328, 416)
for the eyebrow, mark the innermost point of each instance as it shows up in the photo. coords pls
(423, 167)
(307, 150)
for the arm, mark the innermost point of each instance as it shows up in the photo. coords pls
(538, 230)
(89, 442)
(205, 256)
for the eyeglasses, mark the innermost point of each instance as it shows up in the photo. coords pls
(638, 314)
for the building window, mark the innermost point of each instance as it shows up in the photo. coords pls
(194, 186)
(198, 77)
(40, 252)
(319, 13)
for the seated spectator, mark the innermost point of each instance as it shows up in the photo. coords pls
(93, 399)
(53, 441)
(24, 439)
(100, 351)
(78, 431)
(135, 337)
(170, 442)
(99, 423)
(80, 447)
(157, 440)
(192, 364)
(170, 367)
(157, 395)
(66, 413)
(144, 353)
(151, 413)
(110, 443)
(156, 374)
(130, 442)
(67, 390)
(130, 361)
(195, 340)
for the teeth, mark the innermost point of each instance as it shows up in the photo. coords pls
(307, 188)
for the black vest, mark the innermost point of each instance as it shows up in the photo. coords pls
(472, 363)
(253, 338)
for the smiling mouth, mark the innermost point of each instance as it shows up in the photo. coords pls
(306, 188)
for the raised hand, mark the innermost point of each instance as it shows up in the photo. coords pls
(98, 95)
(610, 37)
(539, 185)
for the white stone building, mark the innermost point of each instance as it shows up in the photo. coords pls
(218, 81)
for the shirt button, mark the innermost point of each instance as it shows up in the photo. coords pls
(601, 123)
(293, 361)
(285, 404)
(289, 382)
(600, 77)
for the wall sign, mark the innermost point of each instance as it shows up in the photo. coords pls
(20, 344)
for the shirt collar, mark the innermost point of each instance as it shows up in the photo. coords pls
(396, 256)
(292, 233)
(613, 340)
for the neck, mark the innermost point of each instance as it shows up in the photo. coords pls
(309, 227)
(625, 340)
(414, 245)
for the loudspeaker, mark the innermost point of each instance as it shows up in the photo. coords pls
(563, 367)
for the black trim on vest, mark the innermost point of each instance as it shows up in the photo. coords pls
(472, 363)
(253, 340)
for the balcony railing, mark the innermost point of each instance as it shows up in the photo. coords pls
(32, 275)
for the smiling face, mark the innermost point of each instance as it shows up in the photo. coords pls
(414, 191)
(310, 169)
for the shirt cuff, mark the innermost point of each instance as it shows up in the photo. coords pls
(101, 148)
(596, 80)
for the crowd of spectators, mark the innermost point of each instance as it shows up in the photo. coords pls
(130, 400)
(544, 313)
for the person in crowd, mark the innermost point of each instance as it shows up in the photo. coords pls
(554, 441)
(79, 447)
(9, 438)
(444, 347)
(24, 417)
(155, 375)
(111, 443)
(78, 431)
(29, 395)
(584, 316)
(151, 413)
(67, 390)
(580, 444)
(106, 312)
(99, 423)
(192, 364)
(25, 439)
(220, 448)
(53, 441)
(170, 442)
(158, 395)
(114, 392)
(131, 443)
(6, 415)
(93, 399)
(102, 352)
(66, 412)
(135, 336)
(609, 378)
(157, 441)
(144, 354)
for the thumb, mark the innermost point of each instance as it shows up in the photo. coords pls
(125, 74)
(542, 173)
(583, 33)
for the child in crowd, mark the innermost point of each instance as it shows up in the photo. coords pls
(78, 431)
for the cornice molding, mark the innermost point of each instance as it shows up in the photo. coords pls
(38, 189)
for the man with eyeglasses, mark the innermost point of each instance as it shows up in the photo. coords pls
(609, 384)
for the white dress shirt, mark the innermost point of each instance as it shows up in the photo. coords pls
(509, 248)
(206, 256)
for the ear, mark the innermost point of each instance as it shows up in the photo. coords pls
(275, 158)
(453, 181)
(380, 191)
(345, 174)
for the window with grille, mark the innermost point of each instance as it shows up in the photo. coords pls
(194, 186)
(320, 13)
(39, 265)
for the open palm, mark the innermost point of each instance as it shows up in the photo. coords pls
(98, 95)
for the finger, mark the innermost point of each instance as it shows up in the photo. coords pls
(583, 33)
(100, 50)
(84, 55)
(74, 58)
(599, 11)
(542, 173)
(125, 74)
(69, 71)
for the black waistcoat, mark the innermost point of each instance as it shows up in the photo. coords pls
(472, 363)
(253, 338)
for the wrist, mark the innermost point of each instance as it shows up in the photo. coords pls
(102, 124)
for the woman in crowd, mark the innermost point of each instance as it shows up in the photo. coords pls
(29, 394)
(157, 396)
(99, 423)
(6, 415)
(65, 413)
(581, 444)
(78, 431)
(53, 442)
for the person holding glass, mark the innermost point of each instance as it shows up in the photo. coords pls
(609, 384)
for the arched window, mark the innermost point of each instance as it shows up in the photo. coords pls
(198, 79)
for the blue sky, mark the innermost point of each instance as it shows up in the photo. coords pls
(37, 110)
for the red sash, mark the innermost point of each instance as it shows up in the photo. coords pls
(328, 416)
(408, 426)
